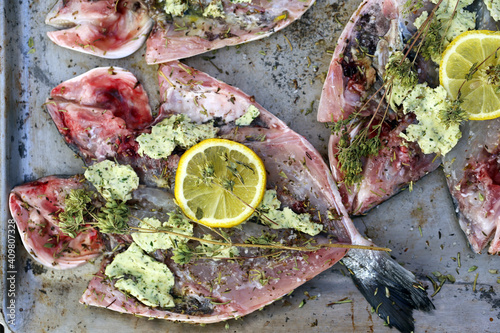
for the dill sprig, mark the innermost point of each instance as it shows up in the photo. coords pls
(433, 42)
(493, 74)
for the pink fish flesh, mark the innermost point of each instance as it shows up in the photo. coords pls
(352, 76)
(100, 113)
(106, 28)
(397, 164)
(208, 291)
(354, 87)
(116, 29)
(186, 36)
(35, 207)
(472, 170)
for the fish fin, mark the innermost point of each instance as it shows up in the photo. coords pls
(391, 290)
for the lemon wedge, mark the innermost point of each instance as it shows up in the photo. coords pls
(219, 183)
(471, 65)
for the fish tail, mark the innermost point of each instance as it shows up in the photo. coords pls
(392, 291)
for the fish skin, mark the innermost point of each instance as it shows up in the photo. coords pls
(34, 206)
(169, 41)
(376, 26)
(471, 169)
(100, 113)
(104, 28)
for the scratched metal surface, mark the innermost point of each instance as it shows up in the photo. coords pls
(287, 81)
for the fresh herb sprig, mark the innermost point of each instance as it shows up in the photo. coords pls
(76, 215)
(79, 214)
(113, 218)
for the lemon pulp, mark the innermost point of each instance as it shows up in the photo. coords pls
(480, 90)
(219, 182)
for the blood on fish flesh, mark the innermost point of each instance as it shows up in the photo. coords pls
(472, 170)
(100, 113)
(35, 207)
(354, 88)
(106, 28)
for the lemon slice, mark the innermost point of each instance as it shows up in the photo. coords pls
(481, 91)
(218, 182)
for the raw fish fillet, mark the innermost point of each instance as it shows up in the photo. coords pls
(472, 171)
(353, 87)
(106, 28)
(35, 207)
(295, 169)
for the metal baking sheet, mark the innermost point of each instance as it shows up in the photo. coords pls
(285, 74)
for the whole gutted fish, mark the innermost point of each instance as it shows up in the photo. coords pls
(116, 29)
(208, 290)
(354, 90)
(105, 28)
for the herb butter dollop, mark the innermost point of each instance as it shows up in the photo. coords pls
(451, 19)
(175, 7)
(150, 242)
(286, 218)
(112, 180)
(143, 277)
(494, 8)
(432, 133)
(178, 130)
(246, 119)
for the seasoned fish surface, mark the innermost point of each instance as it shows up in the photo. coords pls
(354, 89)
(100, 113)
(35, 207)
(115, 29)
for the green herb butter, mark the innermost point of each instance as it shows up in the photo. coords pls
(178, 130)
(214, 9)
(175, 7)
(451, 19)
(432, 134)
(246, 119)
(112, 180)
(494, 8)
(285, 218)
(150, 242)
(143, 277)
